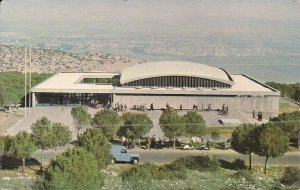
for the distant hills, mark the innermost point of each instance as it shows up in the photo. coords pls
(12, 58)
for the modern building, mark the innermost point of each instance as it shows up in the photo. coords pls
(159, 83)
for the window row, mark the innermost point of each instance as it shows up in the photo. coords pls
(177, 81)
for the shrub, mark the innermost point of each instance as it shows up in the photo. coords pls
(147, 172)
(144, 172)
(200, 163)
(291, 176)
(173, 171)
(142, 176)
(247, 175)
(74, 169)
(215, 135)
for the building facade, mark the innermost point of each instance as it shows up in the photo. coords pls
(160, 83)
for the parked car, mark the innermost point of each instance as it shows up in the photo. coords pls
(204, 147)
(187, 147)
(225, 145)
(120, 154)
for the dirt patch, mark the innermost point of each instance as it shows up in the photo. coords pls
(7, 119)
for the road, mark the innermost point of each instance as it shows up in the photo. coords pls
(168, 155)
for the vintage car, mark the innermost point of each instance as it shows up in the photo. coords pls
(187, 147)
(204, 147)
(120, 154)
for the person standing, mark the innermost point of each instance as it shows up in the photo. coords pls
(207, 144)
(148, 141)
(151, 107)
(153, 141)
(123, 139)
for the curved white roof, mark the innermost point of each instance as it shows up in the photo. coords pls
(173, 68)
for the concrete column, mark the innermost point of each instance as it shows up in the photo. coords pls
(33, 100)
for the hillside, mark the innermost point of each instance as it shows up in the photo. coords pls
(47, 60)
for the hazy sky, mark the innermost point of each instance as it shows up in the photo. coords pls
(143, 15)
(121, 27)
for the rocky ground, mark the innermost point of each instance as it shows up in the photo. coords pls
(12, 58)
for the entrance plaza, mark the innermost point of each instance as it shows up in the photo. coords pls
(63, 114)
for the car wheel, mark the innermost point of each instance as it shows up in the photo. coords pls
(135, 161)
(113, 161)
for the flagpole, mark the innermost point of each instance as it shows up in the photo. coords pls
(29, 104)
(25, 86)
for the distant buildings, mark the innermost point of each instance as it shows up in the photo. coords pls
(160, 83)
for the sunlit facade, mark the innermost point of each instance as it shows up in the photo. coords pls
(159, 83)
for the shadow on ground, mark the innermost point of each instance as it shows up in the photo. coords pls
(237, 164)
(10, 162)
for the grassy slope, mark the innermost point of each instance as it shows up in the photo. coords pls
(223, 179)
(288, 107)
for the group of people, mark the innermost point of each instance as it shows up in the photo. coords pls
(155, 143)
(224, 110)
(120, 107)
(141, 107)
(259, 115)
(195, 107)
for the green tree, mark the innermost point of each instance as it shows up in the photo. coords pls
(74, 169)
(61, 135)
(82, 118)
(2, 149)
(287, 90)
(136, 125)
(290, 124)
(4, 146)
(94, 141)
(42, 130)
(272, 142)
(296, 95)
(108, 121)
(244, 140)
(22, 146)
(171, 124)
(194, 124)
(215, 135)
(12, 86)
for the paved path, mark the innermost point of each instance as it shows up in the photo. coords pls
(63, 114)
(155, 130)
(54, 113)
(212, 118)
